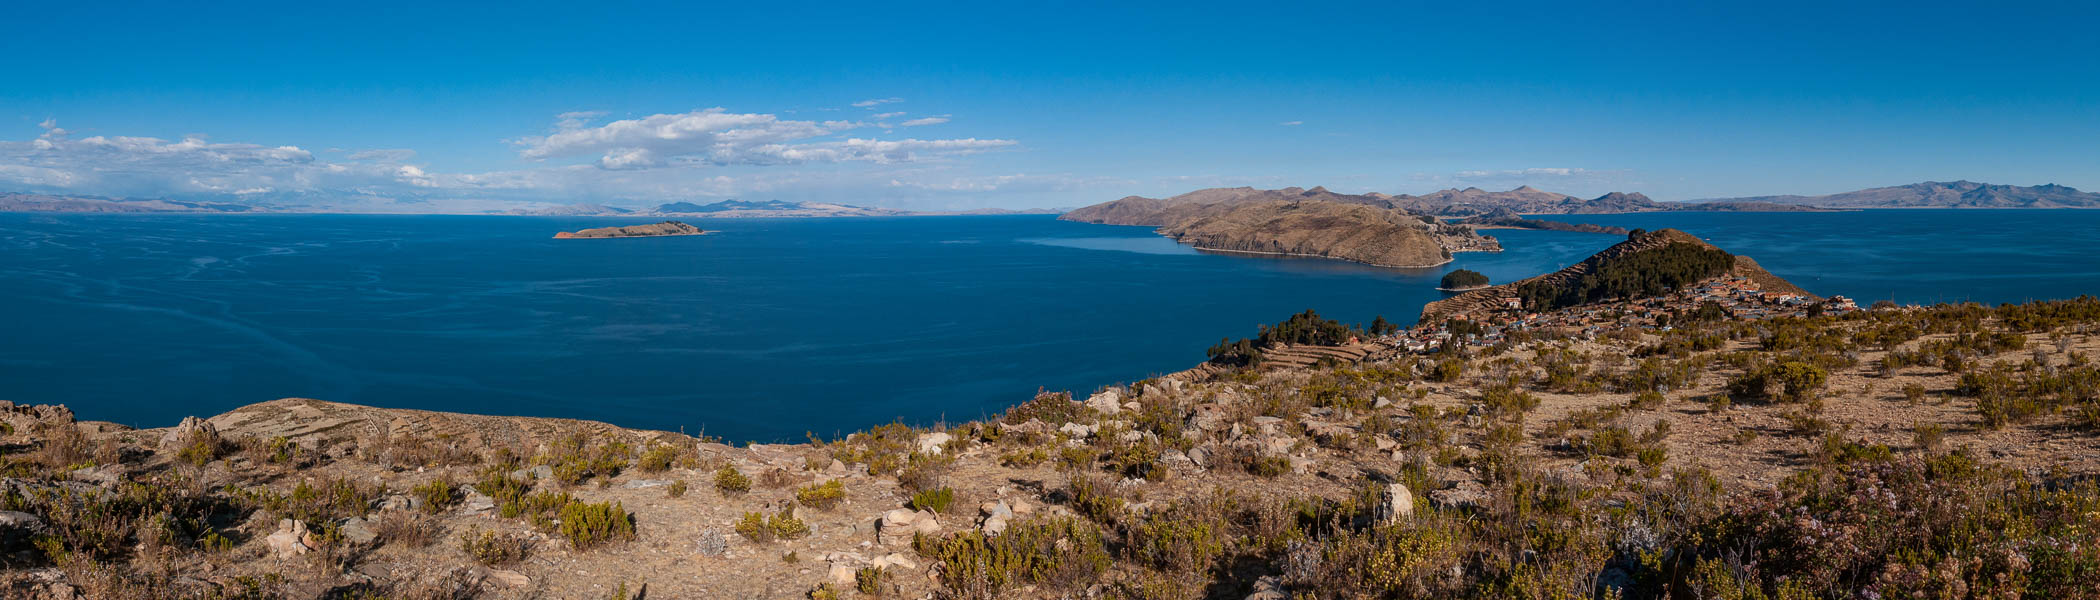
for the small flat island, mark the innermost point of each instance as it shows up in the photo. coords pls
(654, 230)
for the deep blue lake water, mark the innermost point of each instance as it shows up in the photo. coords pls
(772, 328)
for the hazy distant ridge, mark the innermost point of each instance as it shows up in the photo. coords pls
(1936, 194)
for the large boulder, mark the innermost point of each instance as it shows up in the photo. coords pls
(190, 427)
(1398, 503)
(1108, 402)
(933, 443)
(290, 539)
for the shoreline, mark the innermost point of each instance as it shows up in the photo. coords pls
(1298, 255)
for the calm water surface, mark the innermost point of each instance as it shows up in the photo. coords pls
(772, 328)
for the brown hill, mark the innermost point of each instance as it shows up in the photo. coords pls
(1161, 212)
(1619, 255)
(1353, 232)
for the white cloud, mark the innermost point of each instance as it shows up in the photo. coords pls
(889, 115)
(871, 103)
(925, 121)
(716, 136)
(1532, 172)
(691, 156)
(1291, 123)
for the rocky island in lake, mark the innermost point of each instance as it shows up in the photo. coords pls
(654, 230)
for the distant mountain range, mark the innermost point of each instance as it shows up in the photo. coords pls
(723, 209)
(1936, 194)
(1139, 210)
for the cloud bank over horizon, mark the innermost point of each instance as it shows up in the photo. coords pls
(709, 153)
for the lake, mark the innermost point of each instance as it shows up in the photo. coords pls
(772, 328)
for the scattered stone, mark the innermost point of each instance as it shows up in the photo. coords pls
(1267, 425)
(1200, 455)
(926, 523)
(712, 542)
(896, 560)
(996, 508)
(175, 437)
(1078, 431)
(1206, 417)
(933, 443)
(1399, 503)
(397, 502)
(19, 529)
(509, 578)
(1464, 495)
(103, 475)
(1177, 461)
(1108, 402)
(476, 503)
(896, 526)
(357, 532)
(646, 483)
(289, 540)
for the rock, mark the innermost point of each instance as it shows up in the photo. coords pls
(289, 540)
(1384, 443)
(712, 542)
(1381, 402)
(509, 578)
(897, 526)
(926, 523)
(176, 437)
(646, 483)
(1465, 494)
(1399, 503)
(1206, 417)
(1327, 432)
(397, 502)
(1132, 436)
(1078, 431)
(20, 529)
(103, 475)
(842, 574)
(1108, 402)
(357, 532)
(994, 525)
(1268, 425)
(996, 508)
(836, 467)
(1268, 587)
(897, 561)
(1177, 461)
(476, 503)
(933, 443)
(1201, 456)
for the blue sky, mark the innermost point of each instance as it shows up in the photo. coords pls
(430, 107)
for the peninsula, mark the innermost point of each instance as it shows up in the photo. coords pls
(665, 228)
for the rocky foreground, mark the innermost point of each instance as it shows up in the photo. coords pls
(1897, 452)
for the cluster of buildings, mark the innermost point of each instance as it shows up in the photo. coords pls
(1737, 297)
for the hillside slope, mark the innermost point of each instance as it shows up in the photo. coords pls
(1574, 279)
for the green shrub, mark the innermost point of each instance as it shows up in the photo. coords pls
(1269, 466)
(437, 495)
(730, 481)
(591, 525)
(491, 548)
(1056, 553)
(824, 496)
(676, 489)
(936, 500)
